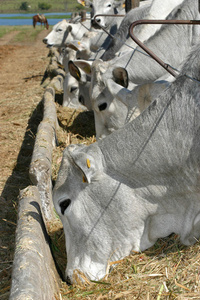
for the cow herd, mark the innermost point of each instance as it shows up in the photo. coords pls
(140, 180)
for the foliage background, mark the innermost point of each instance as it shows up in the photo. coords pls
(13, 6)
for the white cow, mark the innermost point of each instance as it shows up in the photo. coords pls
(122, 42)
(70, 93)
(91, 42)
(64, 32)
(104, 7)
(98, 41)
(81, 74)
(70, 86)
(116, 105)
(138, 184)
(165, 43)
(141, 68)
(157, 9)
(70, 35)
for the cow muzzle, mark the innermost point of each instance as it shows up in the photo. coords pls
(96, 23)
(44, 41)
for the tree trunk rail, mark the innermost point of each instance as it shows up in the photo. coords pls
(34, 274)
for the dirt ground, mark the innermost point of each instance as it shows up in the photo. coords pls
(21, 67)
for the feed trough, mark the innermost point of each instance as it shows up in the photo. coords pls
(34, 270)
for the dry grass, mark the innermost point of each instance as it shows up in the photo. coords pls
(76, 127)
(167, 270)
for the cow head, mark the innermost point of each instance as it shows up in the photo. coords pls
(104, 7)
(70, 96)
(90, 204)
(82, 49)
(110, 114)
(58, 34)
(81, 72)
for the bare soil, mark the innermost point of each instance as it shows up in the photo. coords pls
(22, 67)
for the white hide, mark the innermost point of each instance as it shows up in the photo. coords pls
(103, 7)
(64, 32)
(114, 105)
(159, 9)
(71, 93)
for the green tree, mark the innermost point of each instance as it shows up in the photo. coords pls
(24, 6)
(44, 6)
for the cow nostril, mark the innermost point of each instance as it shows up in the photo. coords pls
(102, 106)
(64, 205)
(95, 22)
(81, 99)
(73, 88)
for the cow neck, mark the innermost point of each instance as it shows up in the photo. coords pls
(151, 142)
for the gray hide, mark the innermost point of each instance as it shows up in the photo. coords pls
(122, 41)
(122, 33)
(116, 105)
(83, 81)
(140, 67)
(70, 86)
(71, 92)
(105, 7)
(138, 184)
(98, 43)
(171, 43)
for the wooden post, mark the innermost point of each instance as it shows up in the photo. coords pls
(83, 15)
(34, 273)
(130, 4)
(40, 166)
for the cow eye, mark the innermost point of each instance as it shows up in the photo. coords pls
(64, 205)
(102, 106)
(81, 100)
(73, 89)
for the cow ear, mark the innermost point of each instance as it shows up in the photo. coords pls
(85, 162)
(84, 2)
(121, 76)
(74, 70)
(76, 45)
(69, 28)
(84, 65)
(71, 46)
